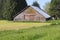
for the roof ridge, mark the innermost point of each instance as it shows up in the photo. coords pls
(21, 11)
(41, 11)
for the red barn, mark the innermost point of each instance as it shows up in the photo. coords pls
(32, 13)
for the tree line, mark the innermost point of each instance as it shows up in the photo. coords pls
(53, 8)
(9, 8)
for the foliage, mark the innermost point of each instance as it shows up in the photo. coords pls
(1, 2)
(47, 7)
(9, 8)
(55, 8)
(36, 4)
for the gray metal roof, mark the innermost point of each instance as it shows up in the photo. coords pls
(41, 11)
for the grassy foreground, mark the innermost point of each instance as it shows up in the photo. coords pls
(50, 32)
(10, 25)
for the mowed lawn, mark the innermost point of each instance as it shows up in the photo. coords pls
(10, 25)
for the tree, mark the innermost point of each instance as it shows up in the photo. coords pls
(47, 7)
(20, 5)
(36, 4)
(55, 8)
(9, 8)
(1, 2)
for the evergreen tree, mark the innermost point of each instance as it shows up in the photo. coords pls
(36, 4)
(20, 5)
(1, 3)
(55, 8)
(9, 8)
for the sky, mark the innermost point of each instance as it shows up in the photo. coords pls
(41, 2)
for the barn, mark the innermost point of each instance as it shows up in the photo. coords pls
(32, 13)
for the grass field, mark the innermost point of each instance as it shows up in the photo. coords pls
(43, 32)
(9, 25)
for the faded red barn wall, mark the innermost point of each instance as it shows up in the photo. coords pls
(30, 15)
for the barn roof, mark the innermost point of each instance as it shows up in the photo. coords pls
(41, 11)
(37, 9)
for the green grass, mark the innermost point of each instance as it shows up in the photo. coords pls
(10, 25)
(47, 32)
(51, 32)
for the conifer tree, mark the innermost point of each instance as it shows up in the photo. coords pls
(55, 8)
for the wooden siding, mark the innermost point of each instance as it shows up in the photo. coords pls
(30, 15)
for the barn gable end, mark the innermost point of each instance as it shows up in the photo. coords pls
(30, 14)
